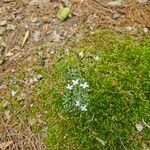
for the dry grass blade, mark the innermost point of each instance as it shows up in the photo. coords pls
(7, 131)
(25, 37)
(5, 145)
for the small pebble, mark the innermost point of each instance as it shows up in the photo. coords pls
(31, 105)
(31, 81)
(5, 103)
(3, 23)
(37, 35)
(32, 121)
(145, 30)
(56, 37)
(39, 76)
(11, 27)
(21, 96)
(115, 16)
(34, 20)
(3, 86)
(35, 79)
(2, 30)
(129, 28)
(38, 21)
(8, 54)
(139, 127)
(7, 114)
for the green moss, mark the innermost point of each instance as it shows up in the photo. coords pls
(117, 99)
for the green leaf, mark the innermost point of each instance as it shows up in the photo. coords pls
(64, 13)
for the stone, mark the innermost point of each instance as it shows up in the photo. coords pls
(56, 37)
(11, 27)
(3, 23)
(39, 76)
(37, 35)
(5, 103)
(37, 20)
(145, 30)
(115, 16)
(139, 127)
(7, 114)
(129, 28)
(35, 79)
(2, 30)
(32, 121)
(31, 81)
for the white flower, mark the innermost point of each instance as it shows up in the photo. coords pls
(96, 57)
(75, 82)
(69, 87)
(13, 93)
(77, 103)
(84, 85)
(84, 108)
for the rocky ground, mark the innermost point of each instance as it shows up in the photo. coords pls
(30, 29)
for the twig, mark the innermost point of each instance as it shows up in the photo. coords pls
(10, 138)
(32, 135)
(145, 123)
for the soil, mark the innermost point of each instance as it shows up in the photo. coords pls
(37, 19)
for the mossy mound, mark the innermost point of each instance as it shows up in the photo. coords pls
(96, 93)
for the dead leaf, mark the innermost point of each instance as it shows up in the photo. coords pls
(4, 145)
(25, 37)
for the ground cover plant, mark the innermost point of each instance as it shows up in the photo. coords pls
(93, 96)
(97, 94)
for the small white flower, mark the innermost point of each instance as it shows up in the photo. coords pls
(84, 108)
(84, 85)
(13, 93)
(96, 57)
(139, 127)
(69, 87)
(75, 82)
(77, 103)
